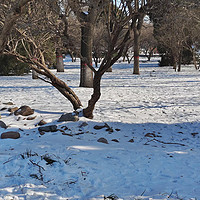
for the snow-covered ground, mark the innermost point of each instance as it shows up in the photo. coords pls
(153, 149)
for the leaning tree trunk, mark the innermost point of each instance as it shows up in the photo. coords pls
(86, 77)
(136, 69)
(59, 61)
(60, 85)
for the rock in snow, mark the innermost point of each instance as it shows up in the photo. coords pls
(2, 124)
(68, 117)
(51, 128)
(24, 111)
(102, 140)
(10, 134)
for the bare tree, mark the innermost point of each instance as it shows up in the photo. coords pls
(147, 42)
(174, 28)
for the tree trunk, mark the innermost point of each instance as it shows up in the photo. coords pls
(194, 59)
(150, 54)
(41, 68)
(136, 32)
(59, 61)
(86, 77)
(34, 74)
(88, 112)
(179, 62)
(136, 69)
(174, 63)
(128, 59)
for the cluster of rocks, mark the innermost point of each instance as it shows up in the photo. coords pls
(24, 111)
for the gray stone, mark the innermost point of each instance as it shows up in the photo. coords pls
(24, 111)
(68, 117)
(51, 128)
(2, 124)
(10, 134)
(102, 140)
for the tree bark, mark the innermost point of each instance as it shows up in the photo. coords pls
(136, 69)
(59, 61)
(86, 75)
(88, 112)
(138, 19)
(179, 62)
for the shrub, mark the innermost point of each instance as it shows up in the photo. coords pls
(9, 65)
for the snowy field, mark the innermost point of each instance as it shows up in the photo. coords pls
(153, 149)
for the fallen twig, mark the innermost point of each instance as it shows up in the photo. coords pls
(165, 142)
(40, 167)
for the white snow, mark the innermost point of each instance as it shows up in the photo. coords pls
(159, 110)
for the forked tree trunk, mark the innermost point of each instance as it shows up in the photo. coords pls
(59, 61)
(86, 77)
